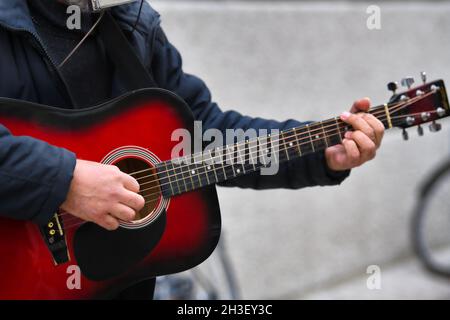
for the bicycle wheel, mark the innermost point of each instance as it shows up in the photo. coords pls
(431, 221)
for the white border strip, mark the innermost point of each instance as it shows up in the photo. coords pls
(303, 6)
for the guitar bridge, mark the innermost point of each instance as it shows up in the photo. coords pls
(55, 239)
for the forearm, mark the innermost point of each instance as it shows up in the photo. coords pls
(34, 177)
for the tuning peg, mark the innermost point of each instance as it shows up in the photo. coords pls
(440, 112)
(420, 130)
(392, 86)
(435, 127)
(405, 135)
(407, 82)
(423, 75)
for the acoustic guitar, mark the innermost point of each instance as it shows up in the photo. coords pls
(180, 224)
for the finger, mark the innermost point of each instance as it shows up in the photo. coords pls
(352, 151)
(108, 222)
(131, 199)
(366, 146)
(338, 148)
(362, 105)
(122, 212)
(337, 157)
(358, 123)
(377, 127)
(130, 183)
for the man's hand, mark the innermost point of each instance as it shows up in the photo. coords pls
(102, 194)
(360, 145)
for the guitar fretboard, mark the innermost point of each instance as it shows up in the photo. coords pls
(231, 161)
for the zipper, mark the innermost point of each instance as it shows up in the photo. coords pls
(37, 44)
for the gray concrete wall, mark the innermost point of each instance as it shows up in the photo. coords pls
(310, 60)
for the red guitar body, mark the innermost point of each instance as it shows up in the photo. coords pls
(136, 126)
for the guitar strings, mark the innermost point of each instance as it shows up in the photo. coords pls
(398, 107)
(70, 220)
(291, 147)
(286, 150)
(299, 144)
(159, 193)
(182, 178)
(290, 133)
(378, 111)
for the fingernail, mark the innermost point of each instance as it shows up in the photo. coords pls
(348, 135)
(345, 115)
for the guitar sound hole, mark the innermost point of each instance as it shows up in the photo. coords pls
(146, 176)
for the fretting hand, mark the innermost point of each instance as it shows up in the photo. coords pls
(360, 145)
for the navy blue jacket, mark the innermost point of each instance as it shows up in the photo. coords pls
(35, 176)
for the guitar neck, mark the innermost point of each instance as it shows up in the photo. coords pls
(218, 165)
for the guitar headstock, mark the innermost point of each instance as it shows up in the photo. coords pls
(421, 104)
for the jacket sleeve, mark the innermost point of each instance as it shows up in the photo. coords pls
(306, 171)
(34, 177)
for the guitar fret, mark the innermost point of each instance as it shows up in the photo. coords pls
(304, 140)
(338, 128)
(251, 152)
(230, 157)
(334, 134)
(239, 154)
(187, 178)
(270, 147)
(194, 174)
(222, 161)
(263, 150)
(190, 173)
(274, 154)
(213, 165)
(319, 140)
(171, 170)
(284, 145)
(310, 138)
(178, 178)
(324, 135)
(168, 176)
(298, 144)
(207, 170)
(388, 116)
(291, 144)
(200, 170)
(179, 175)
(162, 176)
(221, 173)
(206, 174)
